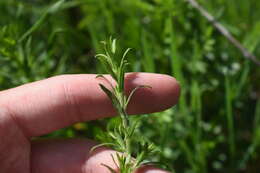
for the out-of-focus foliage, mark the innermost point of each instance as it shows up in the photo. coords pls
(216, 125)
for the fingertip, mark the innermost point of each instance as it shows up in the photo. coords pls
(171, 90)
(164, 92)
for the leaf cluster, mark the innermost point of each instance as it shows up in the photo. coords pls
(119, 100)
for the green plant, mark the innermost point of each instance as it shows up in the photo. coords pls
(219, 105)
(123, 134)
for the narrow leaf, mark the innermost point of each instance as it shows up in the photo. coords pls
(139, 160)
(132, 128)
(103, 77)
(109, 168)
(111, 95)
(107, 91)
(113, 46)
(101, 145)
(100, 76)
(121, 72)
(125, 53)
(133, 91)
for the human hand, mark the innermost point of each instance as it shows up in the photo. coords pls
(44, 106)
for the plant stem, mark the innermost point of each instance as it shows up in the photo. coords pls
(124, 118)
(126, 125)
(123, 135)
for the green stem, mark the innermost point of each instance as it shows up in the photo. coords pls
(126, 125)
(125, 120)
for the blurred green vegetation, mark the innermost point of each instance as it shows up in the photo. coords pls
(216, 125)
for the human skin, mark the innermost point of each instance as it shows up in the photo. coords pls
(44, 106)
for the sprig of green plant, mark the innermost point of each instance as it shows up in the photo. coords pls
(121, 138)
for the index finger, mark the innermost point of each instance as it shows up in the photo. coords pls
(47, 105)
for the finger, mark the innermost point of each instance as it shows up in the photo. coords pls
(74, 155)
(50, 104)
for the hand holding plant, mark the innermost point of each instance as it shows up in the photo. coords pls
(41, 107)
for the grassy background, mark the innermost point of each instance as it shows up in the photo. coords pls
(216, 125)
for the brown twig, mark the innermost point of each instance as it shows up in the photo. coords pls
(223, 31)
